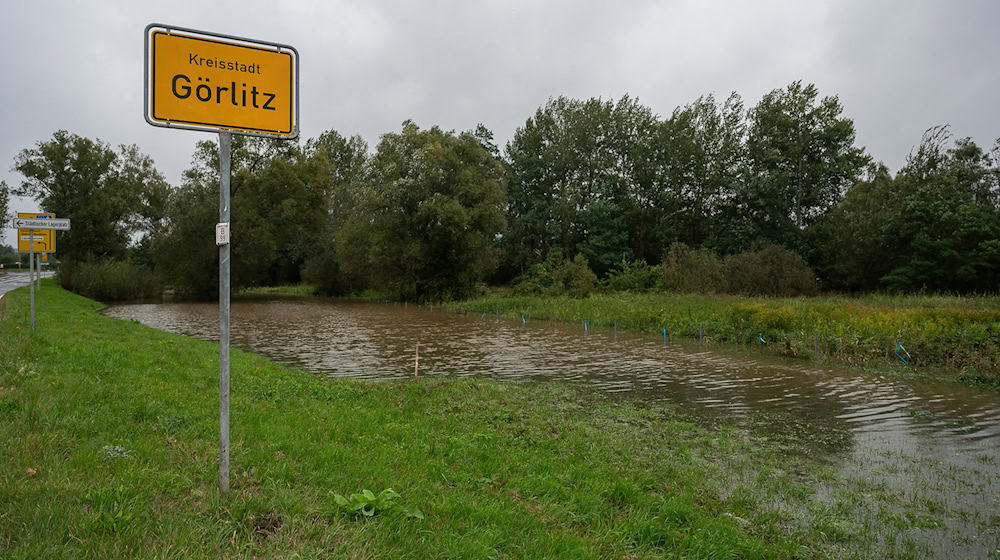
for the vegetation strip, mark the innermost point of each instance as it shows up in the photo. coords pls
(949, 337)
(111, 438)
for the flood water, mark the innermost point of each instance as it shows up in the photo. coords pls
(940, 442)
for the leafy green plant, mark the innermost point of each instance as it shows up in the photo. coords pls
(633, 276)
(368, 504)
(689, 271)
(558, 276)
(770, 271)
(112, 510)
(109, 280)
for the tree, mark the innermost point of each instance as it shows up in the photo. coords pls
(4, 200)
(181, 250)
(700, 164)
(109, 195)
(348, 156)
(934, 226)
(849, 249)
(427, 217)
(348, 159)
(8, 255)
(570, 156)
(802, 159)
(605, 236)
(280, 202)
(946, 231)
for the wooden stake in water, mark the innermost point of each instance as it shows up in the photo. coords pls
(416, 364)
(701, 334)
(816, 348)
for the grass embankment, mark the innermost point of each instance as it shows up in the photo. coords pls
(951, 337)
(110, 441)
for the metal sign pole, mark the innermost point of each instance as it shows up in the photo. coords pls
(225, 150)
(38, 271)
(167, 58)
(31, 278)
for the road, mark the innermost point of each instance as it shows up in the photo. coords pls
(16, 280)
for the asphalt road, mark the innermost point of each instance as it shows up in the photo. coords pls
(16, 280)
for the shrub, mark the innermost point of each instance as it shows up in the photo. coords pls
(109, 280)
(577, 278)
(633, 276)
(688, 270)
(323, 271)
(558, 276)
(769, 271)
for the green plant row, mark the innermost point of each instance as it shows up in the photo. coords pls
(960, 336)
(110, 280)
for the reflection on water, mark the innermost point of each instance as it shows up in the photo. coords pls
(946, 425)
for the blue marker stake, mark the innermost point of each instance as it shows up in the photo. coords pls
(484, 315)
(664, 336)
(584, 327)
(523, 322)
(760, 337)
(899, 346)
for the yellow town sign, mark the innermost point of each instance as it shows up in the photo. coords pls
(204, 81)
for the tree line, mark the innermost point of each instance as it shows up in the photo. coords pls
(585, 192)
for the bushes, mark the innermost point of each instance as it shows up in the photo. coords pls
(109, 280)
(633, 276)
(692, 271)
(323, 271)
(769, 271)
(558, 276)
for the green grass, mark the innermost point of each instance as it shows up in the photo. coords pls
(110, 438)
(947, 337)
(291, 290)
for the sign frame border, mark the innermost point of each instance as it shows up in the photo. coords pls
(32, 243)
(253, 43)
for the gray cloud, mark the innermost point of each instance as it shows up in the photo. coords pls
(898, 67)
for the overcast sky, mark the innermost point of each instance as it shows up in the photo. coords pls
(898, 67)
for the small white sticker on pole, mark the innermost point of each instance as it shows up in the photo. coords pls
(222, 234)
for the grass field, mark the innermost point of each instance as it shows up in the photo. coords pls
(290, 290)
(946, 337)
(110, 438)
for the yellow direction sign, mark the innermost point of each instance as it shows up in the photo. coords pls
(206, 81)
(45, 239)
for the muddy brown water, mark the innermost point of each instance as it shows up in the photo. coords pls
(936, 444)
